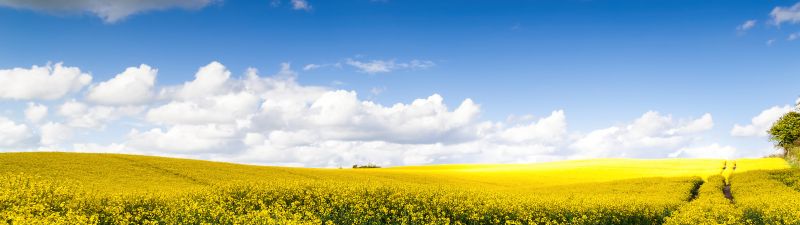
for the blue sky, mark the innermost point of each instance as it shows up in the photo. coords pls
(604, 63)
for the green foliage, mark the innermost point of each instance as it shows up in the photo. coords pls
(793, 155)
(367, 166)
(790, 178)
(785, 133)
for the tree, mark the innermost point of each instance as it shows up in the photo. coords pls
(785, 132)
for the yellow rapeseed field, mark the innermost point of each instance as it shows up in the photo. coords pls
(78, 188)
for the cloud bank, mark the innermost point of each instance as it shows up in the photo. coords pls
(252, 118)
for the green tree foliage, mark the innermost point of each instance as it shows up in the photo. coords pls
(786, 132)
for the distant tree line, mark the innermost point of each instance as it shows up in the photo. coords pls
(367, 166)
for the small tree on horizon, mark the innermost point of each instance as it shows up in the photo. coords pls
(785, 132)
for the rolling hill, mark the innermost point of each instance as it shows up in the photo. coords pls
(117, 173)
(82, 188)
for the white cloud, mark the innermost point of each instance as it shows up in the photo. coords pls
(761, 123)
(54, 133)
(786, 14)
(209, 80)
(81, 115)
(99, 148)
(340, 115)
(713, 151)
(307, 148)
(133, 86)
(704, 123)
(35, 112)
(650, 136)
(545, 130)
(13, 134)
(300, 5)
(385, 66)
(770, 42)
(225, 108)
(184, 139)
(109, 11)
(747, 25)
(47, 82)
(212, 98)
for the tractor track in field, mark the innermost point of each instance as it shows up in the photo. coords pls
(695, 191)
(726, 190)
(162, 170)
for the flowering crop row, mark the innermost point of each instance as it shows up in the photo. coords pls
(765, 199)
(32, 200)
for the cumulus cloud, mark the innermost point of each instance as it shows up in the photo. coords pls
(704, 123)
(54, 133)
(213, 109)
(35, 112)
(208, 99)
(41, 82)
(81, 115)
(183, 138)
(133, 86)
(340, 115)
(385, 66)
(789, 14)
(209, 80)
(546, 130)
(13, 134)
(651, 135)
(109, 11)
(761, 123)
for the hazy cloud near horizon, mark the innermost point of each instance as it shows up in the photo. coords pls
(276, 120)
